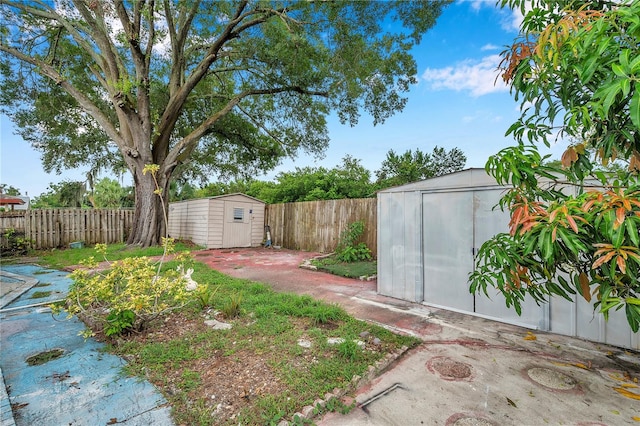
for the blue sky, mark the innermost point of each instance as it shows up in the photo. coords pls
(455, 104)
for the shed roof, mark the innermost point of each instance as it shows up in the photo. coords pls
(467, 178)
(218, 197)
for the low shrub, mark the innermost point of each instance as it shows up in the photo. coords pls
(127, 296)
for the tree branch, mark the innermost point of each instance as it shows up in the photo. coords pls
(191, 140)
(86, 103)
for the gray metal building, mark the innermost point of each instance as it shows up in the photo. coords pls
(428, 232)
(225, 221)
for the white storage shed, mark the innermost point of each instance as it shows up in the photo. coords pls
(225, 221)
(428, 233)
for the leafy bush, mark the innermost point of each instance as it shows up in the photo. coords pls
(14, 243)
(127, 296)
(348, 250)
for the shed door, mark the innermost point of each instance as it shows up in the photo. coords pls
(447, 242)
(489, 222)
(455, 224)
(237, 224)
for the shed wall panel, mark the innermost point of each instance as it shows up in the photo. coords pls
(203, 220)
(404, 263)
(216, 224)
(400, 267)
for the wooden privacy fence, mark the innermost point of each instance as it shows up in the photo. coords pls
(53, 228)
(317, 225)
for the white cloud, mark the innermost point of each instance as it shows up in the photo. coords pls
(511, 19)
(489, 46)
(477, 77)
(477, 4)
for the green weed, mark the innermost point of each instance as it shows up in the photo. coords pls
(232, 308)
(349, 349)
(40, 294)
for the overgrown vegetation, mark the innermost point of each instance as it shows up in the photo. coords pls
(352, 259)
(259, 361)
(269, 327)
(349, 249)
(14, 243)
(133, 291)
(129, 294)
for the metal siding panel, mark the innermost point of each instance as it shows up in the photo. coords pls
(588, 325)
(413, 245)
(562, 316)
(385, 258)
(616, 330)
(487, 223)
(447, 242)
(392, 280)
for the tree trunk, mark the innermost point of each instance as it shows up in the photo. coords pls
(149, 224)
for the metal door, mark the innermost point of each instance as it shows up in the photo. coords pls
(455, 224)
(447, 242)
(489, 222)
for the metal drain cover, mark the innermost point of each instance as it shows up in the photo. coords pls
(470, 421)
(551, 378)
(449, 369)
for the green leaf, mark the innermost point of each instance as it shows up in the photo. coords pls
(618, 237)
(634, 108)
(633, 316)
(611, 97)
(617, 70)
(624, 58)
(632, 230)
(635, 65)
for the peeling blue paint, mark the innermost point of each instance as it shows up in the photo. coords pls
(84, 386)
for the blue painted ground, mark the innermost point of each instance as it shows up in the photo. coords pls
(85, 386)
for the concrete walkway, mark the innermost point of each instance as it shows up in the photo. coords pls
(81, 384)
(468, 370)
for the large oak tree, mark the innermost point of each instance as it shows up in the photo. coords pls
(224, 86)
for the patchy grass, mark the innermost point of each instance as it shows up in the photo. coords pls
(61, 258)
(40, 294)
(257, 372)
(44, 357)
(346, 269)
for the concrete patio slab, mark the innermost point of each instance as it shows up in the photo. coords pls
(468, 370)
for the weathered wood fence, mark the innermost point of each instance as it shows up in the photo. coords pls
(53, 228)
(311, 225)
(317, 225)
